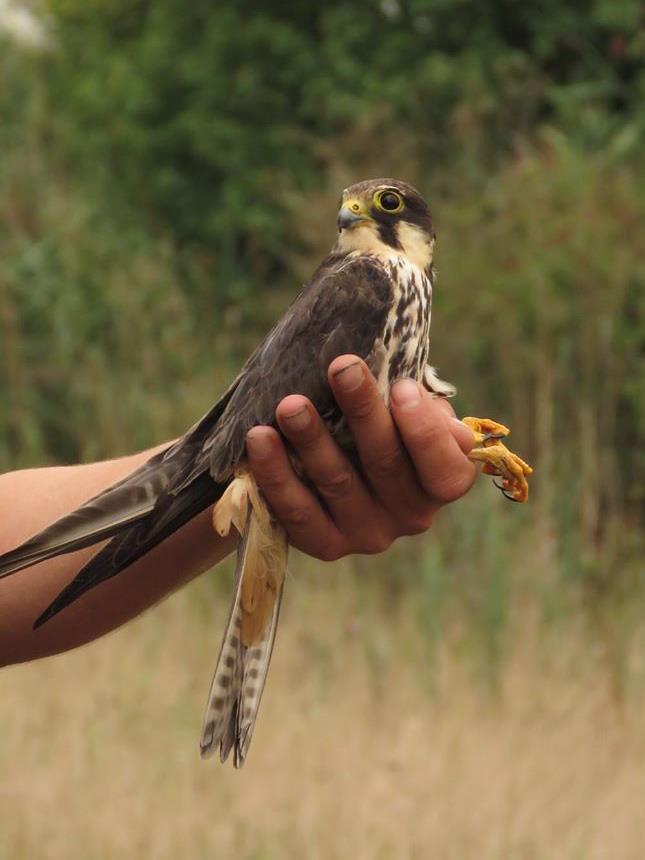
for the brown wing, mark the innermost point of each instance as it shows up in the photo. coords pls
(343, 309)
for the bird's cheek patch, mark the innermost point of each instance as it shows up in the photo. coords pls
(361, 239)
(417, 245)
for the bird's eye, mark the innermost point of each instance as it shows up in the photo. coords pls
(389, 201)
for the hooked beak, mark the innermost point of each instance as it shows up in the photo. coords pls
(351, 213)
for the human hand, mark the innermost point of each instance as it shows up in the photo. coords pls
(413, 458)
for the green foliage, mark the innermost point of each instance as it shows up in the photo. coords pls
(555, 270)
(169, 174)
(208, 117)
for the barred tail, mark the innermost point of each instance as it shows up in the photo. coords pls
(247, 645)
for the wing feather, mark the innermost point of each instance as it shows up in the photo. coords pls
(102, 516)
(124, 549)
(343, 309)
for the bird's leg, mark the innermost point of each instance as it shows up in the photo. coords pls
(497, 459)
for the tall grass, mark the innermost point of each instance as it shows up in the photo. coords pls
(368, 745)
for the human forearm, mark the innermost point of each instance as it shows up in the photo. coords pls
(34, 498)
(414, 461)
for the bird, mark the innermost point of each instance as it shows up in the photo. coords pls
(370, 296)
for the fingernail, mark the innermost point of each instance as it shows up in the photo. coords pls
(462, 427)
(405, 394)
(299, 419)
(350, 377)
(464, 435)
(258, 444)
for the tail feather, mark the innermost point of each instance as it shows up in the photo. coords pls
(230, 732)
(247, 644)
(256, 668)
(220, 719)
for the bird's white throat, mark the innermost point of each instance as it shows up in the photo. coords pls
(364, 238)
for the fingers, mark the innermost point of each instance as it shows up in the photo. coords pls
(459, 430)
(308, 525)
(434, 441)
(413, 456)
(385, 461)
(357, 523)
(345, 494)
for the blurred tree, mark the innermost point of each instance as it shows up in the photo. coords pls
(169, 171)
(206, 116)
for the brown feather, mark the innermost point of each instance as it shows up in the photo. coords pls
(247, 644)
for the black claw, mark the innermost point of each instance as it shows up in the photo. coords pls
(505, 492)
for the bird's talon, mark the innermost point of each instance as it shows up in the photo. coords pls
(486, 429)
(488, 469)
(497, 460)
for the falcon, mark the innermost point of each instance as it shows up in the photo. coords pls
(370, 296)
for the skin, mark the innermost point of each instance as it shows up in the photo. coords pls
(414, 461)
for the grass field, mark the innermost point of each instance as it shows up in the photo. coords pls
(372, 742)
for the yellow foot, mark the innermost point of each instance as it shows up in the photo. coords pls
(497, 459)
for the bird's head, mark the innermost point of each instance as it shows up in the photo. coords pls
(386, 216)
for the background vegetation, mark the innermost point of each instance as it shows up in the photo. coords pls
(169, 174)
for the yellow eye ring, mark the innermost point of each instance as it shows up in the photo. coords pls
(388, 201)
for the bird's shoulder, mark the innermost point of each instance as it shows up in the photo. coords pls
(341, 310)
(342, 287)
(346, 299)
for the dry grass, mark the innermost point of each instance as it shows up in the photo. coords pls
(368, 746)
